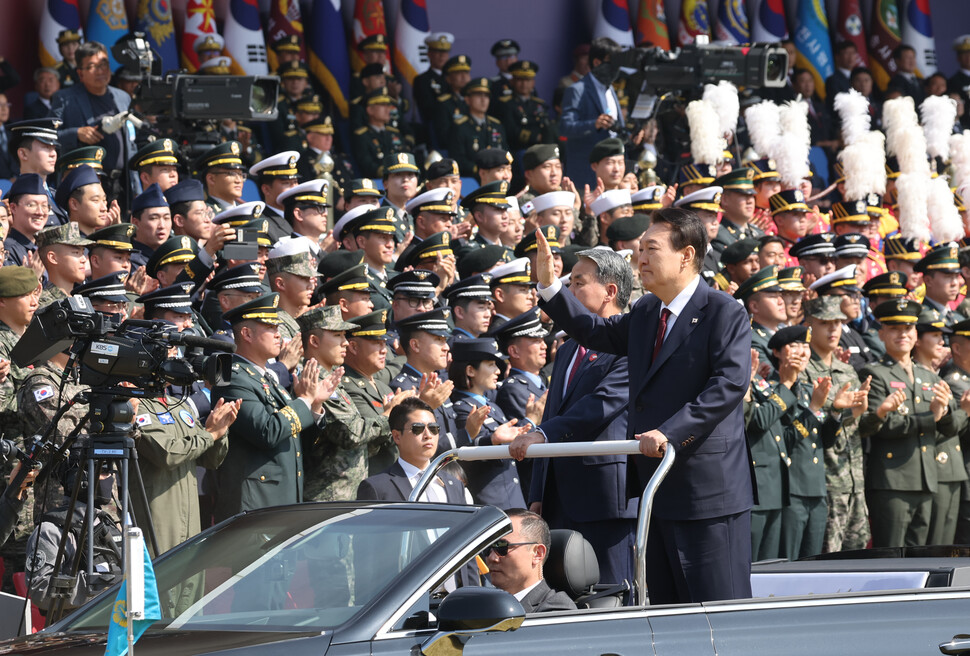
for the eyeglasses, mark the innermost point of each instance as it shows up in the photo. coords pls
(417, 303)
(418, 428)
(102, 65)
(501, 547)
(34, 205)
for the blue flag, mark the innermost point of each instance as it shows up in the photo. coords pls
(107, 22)
(155, 20)
(813, 48)
(118, 629)
(328, 58)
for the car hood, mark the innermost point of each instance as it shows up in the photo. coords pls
(164, 643)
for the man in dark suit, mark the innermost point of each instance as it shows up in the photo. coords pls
(846, 57)
(515, 563)
(689, 354)
(587, 401)
(905, 82)
(590, 112)
(82, 106)
(959, 82)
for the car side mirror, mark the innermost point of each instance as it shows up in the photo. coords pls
(468, 611)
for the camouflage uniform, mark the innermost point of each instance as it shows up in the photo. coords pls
(50, 294)
(337, 458)
(847, 526)
(289, 327)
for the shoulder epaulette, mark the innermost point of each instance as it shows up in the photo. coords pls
(505, 98)
(356, 100)
(459, 119)
(443, 97)
(361, 130)
(391, 128)
(492, 119)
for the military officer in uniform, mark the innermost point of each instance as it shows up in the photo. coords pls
(910, 410)
(375, 140)
(737, 208)
(274, 175)
(476, 130)
(337, 457)
(374, 234)
(847, 525)
(525, 115)
(294, 277)
(431, 84)
(450, 103)
(941, 276)
(762, 297)
(843, 283)
(319, 160)
(222, 172)
(956, 373)
(506, 54)
(265, 465)
(959, 82)
(61, 250)
(890, 286)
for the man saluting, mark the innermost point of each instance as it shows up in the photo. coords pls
(689, 351)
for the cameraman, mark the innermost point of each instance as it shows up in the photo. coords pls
(43, 543)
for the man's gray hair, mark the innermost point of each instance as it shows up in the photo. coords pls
(45, 69)
(611, 267)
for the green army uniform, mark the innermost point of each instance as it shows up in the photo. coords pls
(172, 442)
(765, 280)
(264, 467)
(288, 326)
(370, 145)
(222, 156)
(526, 122)
(448, 107)
(740, 180)
(759, 342)
(951, 475)
(901, 476)
(769, 403)
(468, 136)
(383, 220)
(50, 294)
(943, 258)
(959, 382)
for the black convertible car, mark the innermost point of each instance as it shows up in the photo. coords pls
(372, 579)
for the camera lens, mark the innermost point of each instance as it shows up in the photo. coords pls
(262, 100)
(776, 67)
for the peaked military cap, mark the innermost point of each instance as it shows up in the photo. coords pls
(291, 69)
(524, 69)
(492, 158)
(841, 280)
(333, 264)
(324, 318)
(184, 192)
(690, 174)
(378, 96)
(942, 257)
(68, 234)
(241, 278)
(261, 226)
(765, 280)
(74, 180)
(437, 200)
(312, 192)
(281, 166)
(427, 249)
(790, 279)
(819, 245)
(41, 129)
(322, 125)
(416, 283)
(342, 227)
(353, 279)
(740, 250)
(309, 104)
(707, 198)
(472, 287)
(174, 250)
(116, 237)
(287, 43)
(239, 215)
(476, 85)
(887, 284)
(529, 241)
(477, 260)
(225, 156)
(740, 180)
(895, 313)
(476, 350)
(68, 36)
(373, 42)
(372, 70)
(539, 154)
(649, 198)
(264, 309)
(434, 321)
(109, 288)
(851, 245)
(504, 48)
(606, 148)
(398, 163)
(439, 41)
(369, 326)
(626, 228)
(764, 169)
(90, 155)
(362, 187)
(853, 211)
(516, 272)
(789, 200)
(174, 297)
(526, 324)
(897, 247)
(297, 264)
(209, 43)
(962, 328)
(494, 194)
(375, 219)
(160, 151)
(457, 64)
(930, 321)
(826, 308)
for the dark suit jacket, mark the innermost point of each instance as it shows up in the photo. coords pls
(393, 485)
(37, 109)
(593, 409)
(907, 87)
(581, 105)
(71, 105)
(836, 83)
(692, 393)
(542, 599)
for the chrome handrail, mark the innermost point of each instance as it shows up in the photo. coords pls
(562, 450)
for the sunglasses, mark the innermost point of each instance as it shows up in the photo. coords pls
(501, 547)
(418, 428)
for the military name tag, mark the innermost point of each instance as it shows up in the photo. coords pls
(166, 418)
(895, 384)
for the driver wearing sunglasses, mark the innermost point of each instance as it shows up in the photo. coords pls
(515, 563)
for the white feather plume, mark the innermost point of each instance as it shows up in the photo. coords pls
(762, 120)
(853, 110)
(792, 146)
(724, 98)
(960, 159)
(945, 220)
(912, 195)
(706, 144)
(939, 113)
(864, 164)
(897, 114)
(911, 150)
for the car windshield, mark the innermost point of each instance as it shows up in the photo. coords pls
(301, 568)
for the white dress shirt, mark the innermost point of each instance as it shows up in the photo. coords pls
(434, 493)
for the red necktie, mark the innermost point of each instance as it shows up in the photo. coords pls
(580, 355)
(661, 331)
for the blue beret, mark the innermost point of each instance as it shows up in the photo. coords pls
(27, 183)
(151, 197)
(76, 177)
(185, 191)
